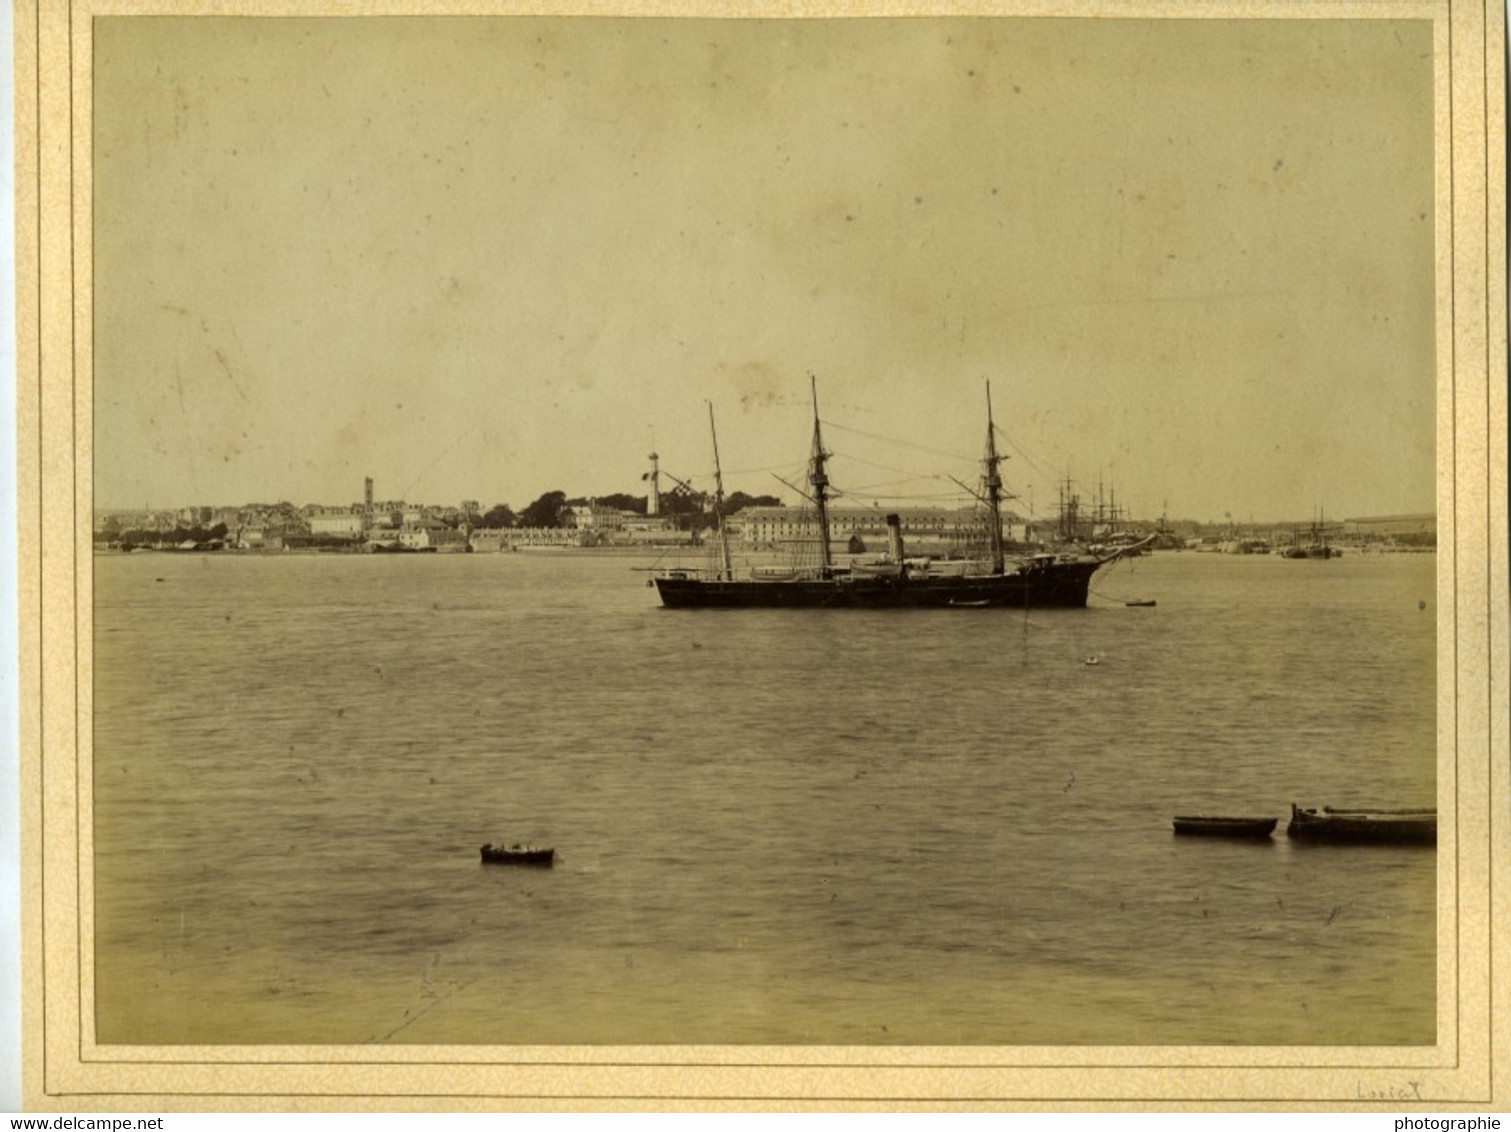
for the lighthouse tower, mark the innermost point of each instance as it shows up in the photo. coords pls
(653, 500)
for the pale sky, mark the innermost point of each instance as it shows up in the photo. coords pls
(486, 258)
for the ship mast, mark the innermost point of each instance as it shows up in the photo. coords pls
(819, 479)
(991, 480)
(719, 497)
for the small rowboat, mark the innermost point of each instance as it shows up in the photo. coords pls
(1206, 826)
(1147, 603)
(518, 855)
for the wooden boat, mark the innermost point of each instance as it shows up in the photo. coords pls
(1202, 825)
(1145, 604)
(1364, 827)
(517, 855)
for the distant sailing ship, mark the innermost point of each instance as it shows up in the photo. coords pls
(1318, 547)
(1048, 579)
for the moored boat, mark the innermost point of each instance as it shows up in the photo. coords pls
(1317, 547)
(517, 855)
(1364, 827)
(1203, 825)
(1047, 579)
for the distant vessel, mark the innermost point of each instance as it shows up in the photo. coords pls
(1049, 579)
(517, 855)
(1316, 545)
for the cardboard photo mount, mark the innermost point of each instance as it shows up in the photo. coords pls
(65, 1069)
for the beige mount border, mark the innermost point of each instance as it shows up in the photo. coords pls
(65, 1070)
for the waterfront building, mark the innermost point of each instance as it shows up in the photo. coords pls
(343, 522)
(654, 532)
(595, 516)
(928, 528)
(1418, 531)
(489, 540)
(526, 538)
(1420, 528)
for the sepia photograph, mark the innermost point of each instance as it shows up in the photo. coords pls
(810, 539)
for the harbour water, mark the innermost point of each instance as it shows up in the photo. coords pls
(906, 827)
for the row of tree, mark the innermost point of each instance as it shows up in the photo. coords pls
(690, 510)
(114, 535)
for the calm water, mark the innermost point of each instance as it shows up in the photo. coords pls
(800, 827)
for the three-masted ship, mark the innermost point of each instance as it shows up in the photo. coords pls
(1045, 579)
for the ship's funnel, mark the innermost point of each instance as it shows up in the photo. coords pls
(894, 537)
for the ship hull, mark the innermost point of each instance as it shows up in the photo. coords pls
(1060, 585)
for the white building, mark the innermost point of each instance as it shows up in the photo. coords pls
(340, 521)
(594, 516)
(927, 526)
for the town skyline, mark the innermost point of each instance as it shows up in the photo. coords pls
(1089, 505)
